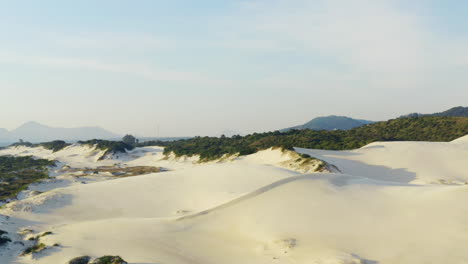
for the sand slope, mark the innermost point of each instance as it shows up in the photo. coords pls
(404, 162)
(395, 202)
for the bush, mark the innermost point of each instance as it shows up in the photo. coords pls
(130, 140)
(80, 260)
(55, 145)
(110, 147)
(3, 238)
(34, 249)
(109, 260)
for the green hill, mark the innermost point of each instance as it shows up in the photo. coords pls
(331, 123)
(459, 111)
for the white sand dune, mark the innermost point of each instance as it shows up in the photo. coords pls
(461, 140)
(404, 162)
(155, 195)
(76, 155)
(389, 206)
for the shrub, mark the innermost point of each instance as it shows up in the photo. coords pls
(109, 260)
(55, 145)
(34, 249)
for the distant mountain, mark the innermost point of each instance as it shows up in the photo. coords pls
(36, 132)
(458, 111)
(331, 123)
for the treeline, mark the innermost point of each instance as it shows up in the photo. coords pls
(111, 147)
(402, 129)
(153, 143)
(55, 145)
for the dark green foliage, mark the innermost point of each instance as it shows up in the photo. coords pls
(111, 147)
(109, 260)
(80, 260)
(34, 249)
(16, 173)
(10, 164)
(3, 238)
(402, 129)
(130, 140)
(22, 143)
(46, 234)
(458, 111)
(55, 145)
(153, 143)
(41, 235)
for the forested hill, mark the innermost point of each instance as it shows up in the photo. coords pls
(459, 111)
(331, 123)
(427, 128)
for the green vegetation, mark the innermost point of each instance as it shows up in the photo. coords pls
(402, 129)
(39, 236)
(153, 143)
(459, 111)
(130, 140)
(109, 260)
(110, 147)
(45, 234)
(101, 260)
(22, 143)
(55, 145)
(3, 238)
(16, 173)
(34, 249)
(80, 260)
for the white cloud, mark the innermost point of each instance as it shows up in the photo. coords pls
(140, 70)
(374, 41)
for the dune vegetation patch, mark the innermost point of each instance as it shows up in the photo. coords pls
(304, 163)
(101, 260)
(109, 147)
(55, 145)
(4, 239)
(16, 173)
(36, 248)
(115, 171)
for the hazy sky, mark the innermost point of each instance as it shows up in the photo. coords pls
(201, 67)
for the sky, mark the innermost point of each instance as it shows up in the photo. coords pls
(206, 66)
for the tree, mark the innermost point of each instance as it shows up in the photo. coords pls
(130, 140)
